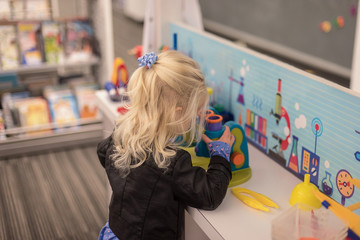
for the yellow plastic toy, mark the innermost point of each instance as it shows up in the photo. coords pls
(344, 213)
(119, 76)
(257, 200)
(303, 195)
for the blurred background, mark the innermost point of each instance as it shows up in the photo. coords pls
(55, 55)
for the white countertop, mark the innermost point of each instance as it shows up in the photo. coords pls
(234, 220)
(107, 106)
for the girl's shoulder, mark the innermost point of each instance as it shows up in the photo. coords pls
(180, 154)
(181, 157)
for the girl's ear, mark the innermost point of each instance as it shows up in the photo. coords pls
(178, 109)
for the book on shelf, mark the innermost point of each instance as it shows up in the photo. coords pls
(80, 43)
(2, 126)
(86, 99)
(9, 54)
(33, 111)
(52, 33)
(30, 43)
(11, 114)
(37, 9)
(5, 9)
(62, 104)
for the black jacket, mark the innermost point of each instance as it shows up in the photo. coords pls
(149, 203)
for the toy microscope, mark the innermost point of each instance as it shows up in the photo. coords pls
(239, 158)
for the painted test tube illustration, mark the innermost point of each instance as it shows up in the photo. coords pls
(277, 113)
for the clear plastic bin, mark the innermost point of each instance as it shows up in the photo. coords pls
(319, 224)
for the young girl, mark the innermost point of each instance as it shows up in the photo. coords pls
(152, 179)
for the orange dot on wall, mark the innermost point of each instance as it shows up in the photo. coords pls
(325, 26)
(340, 22)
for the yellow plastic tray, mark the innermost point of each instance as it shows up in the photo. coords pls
(238, 176)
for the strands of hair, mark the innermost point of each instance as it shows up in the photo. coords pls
(164, 102)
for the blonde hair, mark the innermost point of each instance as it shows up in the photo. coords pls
(164, 102)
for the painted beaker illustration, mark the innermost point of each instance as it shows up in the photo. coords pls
(293, 161)
(326, 184)
(240, 98)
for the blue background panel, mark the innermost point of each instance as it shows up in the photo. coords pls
(322, 117)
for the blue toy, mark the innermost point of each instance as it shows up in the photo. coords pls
(239, 157)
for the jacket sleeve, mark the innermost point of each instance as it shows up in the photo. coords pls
(199, 188)
(102, 148)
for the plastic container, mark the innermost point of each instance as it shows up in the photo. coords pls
(298, 224)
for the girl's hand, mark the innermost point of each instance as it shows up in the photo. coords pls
(227, 137)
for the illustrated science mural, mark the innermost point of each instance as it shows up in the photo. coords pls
(303, 122)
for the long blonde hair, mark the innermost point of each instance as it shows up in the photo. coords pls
(164, 102)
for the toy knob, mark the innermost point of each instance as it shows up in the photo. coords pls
(238, 159)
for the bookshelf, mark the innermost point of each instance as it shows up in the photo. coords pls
(75, 133)
(51, 67)
(23, 140)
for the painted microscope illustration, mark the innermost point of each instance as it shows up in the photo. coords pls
(280, 112)
(214, 129)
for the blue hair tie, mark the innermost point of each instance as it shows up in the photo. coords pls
(147, 60)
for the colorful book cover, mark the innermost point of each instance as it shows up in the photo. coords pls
(51, 33)
(86, 100)
(29, 43)
(5, 9)
(9, 54)
(37, 9)
(2, 126)
(33, 111)
(79, 42)
(62, 104)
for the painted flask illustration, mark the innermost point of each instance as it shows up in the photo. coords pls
(326, 184)
(293, 161)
